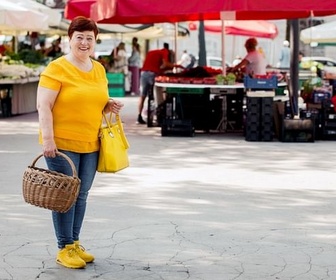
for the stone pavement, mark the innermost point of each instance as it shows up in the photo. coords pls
(211, 207)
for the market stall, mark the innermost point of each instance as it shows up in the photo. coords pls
(18, 88)
(210, 103)
(134, 11)
(21, 93)
(18, 96)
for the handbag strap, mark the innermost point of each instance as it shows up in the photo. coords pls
(109, 123)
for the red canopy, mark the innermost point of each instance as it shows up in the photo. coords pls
(150, 11)
(251, 28)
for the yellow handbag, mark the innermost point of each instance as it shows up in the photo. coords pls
(113, 155)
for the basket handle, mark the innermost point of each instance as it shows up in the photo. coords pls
(74, 172)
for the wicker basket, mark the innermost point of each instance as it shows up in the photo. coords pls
(49, 189)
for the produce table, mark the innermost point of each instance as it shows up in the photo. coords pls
(194, 102)
(21, 95)
(216, 107)
(215, 86)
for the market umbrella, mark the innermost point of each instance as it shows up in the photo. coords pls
(16, 18)
(250, 28)
(54, 16)
(323, 33)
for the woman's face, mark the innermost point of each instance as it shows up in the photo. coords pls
(82, 44)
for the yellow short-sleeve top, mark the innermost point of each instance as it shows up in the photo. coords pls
(77, 112)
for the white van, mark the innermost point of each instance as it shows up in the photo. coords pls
(214, 62)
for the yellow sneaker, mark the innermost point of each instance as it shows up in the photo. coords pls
(84, 255)
(68, 257)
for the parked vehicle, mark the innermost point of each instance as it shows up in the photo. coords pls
(323, 61)
(214, 62)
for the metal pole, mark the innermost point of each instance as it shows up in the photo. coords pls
(223, 47)
(201, 42)
(294, 64)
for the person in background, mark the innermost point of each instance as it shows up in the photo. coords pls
(103, 61)
(254, 62)
(42, 48)
(284, 60)
(134, 64)
(172, 58)
(71, 96)
(185, 59)
(134, 41)
(34, 40)
(119, 57)
(192, 61)
(156, 63)
(55, 49)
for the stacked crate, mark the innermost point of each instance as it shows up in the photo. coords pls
(116, 84)
(328, 121)
(253, 116)
(323, 112)
(259, 116)
(259, 103)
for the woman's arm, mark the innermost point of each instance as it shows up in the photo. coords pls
(113, 106)
(45, 102)
(241, 65)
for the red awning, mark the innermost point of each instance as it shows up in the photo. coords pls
(152, 11)
(251, 28)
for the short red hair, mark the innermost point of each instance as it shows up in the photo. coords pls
(81, 24)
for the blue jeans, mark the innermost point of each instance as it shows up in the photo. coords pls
(147, 81)
(68, 225)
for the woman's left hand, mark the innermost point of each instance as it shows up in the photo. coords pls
(113, 106)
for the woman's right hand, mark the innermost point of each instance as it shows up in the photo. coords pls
(49, 148)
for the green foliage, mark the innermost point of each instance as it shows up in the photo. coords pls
(311, 64)
(27, 56)
(231, 77)
(308, 85)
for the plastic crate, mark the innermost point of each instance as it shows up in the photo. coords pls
(115, 78)
(280, 91)
(253, 83)
(319, 97)
(116, 92)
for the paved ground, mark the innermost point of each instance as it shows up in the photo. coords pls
(211, 207)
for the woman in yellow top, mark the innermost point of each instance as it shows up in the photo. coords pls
(72, 93)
